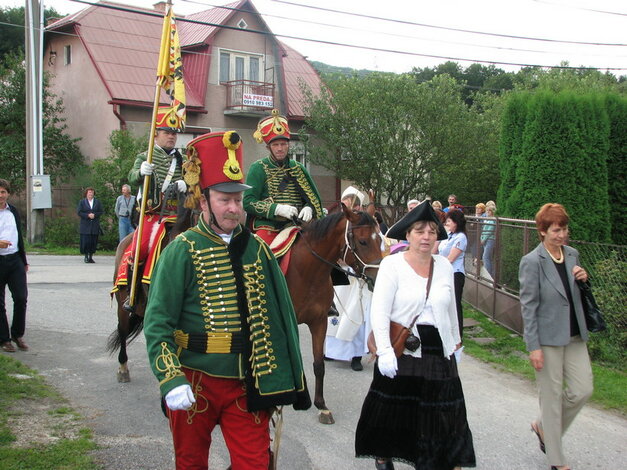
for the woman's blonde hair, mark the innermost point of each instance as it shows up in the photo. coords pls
(480, 206)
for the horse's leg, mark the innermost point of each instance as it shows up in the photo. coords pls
(318, 332)
(123, 329)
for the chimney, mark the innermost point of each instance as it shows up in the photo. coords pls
(160, 6)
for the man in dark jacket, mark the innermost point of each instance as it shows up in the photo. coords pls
(13, 268)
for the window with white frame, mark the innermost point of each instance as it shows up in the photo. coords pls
(298, 151)
(240, 66)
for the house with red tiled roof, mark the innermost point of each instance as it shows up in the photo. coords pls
(103, 61)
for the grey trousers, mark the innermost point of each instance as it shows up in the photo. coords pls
(564, 386)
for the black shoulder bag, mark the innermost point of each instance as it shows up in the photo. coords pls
(594, 318)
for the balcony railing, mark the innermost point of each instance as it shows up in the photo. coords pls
(246, 96)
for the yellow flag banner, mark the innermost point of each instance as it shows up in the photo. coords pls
(170, 68)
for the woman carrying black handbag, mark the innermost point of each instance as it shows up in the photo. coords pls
(555, 331)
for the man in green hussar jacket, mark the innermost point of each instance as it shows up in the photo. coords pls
(220, 327)
(165, 170)
(281, 188)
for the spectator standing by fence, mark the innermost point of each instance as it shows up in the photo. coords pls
(89, 210)
(488, 237)
(454, 249)
(124, 206)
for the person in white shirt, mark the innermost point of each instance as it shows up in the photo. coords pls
(415, 411)
(13, 268)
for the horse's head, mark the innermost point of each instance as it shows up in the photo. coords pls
(363, 245)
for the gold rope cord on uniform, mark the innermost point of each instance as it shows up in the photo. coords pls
(310, 194)
(278, 126)
(191, 175)
(168, 363)
(232, 142)
(261, 358)
(196, 389)
(217, 343)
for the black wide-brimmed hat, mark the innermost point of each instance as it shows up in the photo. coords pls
(422, 211)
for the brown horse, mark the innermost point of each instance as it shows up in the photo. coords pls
(131, 320)
(346, 235)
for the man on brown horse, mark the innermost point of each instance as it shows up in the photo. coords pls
(164, 196)
(220, 326)
(281, 188)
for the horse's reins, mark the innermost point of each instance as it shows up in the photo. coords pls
(348, 247)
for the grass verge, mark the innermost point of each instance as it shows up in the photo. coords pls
(48, 249)
(508, 353)
(38, 431)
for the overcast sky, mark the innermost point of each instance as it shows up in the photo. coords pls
(421, 30)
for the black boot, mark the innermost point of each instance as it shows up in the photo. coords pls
(356, 364)
(383, 464)
(91, 259)
(86, 258)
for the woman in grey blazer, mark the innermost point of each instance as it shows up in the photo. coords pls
(555, 330)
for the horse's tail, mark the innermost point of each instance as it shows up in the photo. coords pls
(135, 326)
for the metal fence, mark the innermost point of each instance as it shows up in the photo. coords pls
(496, 295)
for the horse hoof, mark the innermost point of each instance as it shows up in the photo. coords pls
(124, 377)
(325, 417)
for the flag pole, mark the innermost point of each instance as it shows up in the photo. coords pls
(146, 185)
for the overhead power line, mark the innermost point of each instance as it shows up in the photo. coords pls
(574, 7)
(385, 33)
(459, 30)
(332, 43)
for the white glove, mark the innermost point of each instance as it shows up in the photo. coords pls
(146, 169)
(306, 214)
(181, 186)
(387, 362)
(285, 210)
(180, 398)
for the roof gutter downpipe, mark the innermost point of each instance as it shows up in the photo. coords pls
(116, 111)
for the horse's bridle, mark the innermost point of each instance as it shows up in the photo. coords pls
(349, 248)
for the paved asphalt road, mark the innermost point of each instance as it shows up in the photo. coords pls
(70, 317)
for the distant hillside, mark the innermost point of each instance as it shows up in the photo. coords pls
(326, 69)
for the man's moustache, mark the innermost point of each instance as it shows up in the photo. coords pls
(231, 216)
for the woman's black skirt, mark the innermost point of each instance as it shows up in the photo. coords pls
(419, 416)
(88, 243)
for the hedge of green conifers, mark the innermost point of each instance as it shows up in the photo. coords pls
(570, 148)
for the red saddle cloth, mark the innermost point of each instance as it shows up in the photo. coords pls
(281, 246)
(149, 251)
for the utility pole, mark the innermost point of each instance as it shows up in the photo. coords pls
(38, 191)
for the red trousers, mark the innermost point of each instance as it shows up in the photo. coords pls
(219, 401)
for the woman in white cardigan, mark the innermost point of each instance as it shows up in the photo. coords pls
(415, 411)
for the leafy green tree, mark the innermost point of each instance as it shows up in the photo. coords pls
(62, 157)
(12, 30)
(109, 174)
(556, 80)
(401, 139)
